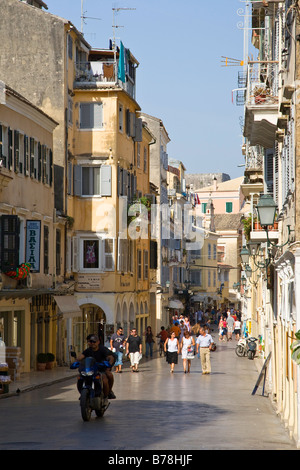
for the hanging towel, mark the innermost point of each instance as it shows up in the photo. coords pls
(121, 68)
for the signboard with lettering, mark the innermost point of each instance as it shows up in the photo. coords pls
(88, 282)
(33, 242)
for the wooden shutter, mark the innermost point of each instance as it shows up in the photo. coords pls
(39, 162)
(109, 254)
(77, 175)
(16, 152)
(26, 156)
(10, 236)
(75, 255)
(31, 153)
(50, 167)
(120, 181)
(10, 148)
(138, 130)
(105, 176)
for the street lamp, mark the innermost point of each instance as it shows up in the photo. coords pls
(245, 255)
(266, 209)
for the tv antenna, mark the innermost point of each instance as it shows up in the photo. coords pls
(115, 11)
(83, 17)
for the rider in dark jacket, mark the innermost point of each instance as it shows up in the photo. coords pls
(100, 354)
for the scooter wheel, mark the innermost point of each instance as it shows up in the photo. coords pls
(251, 355)
(239, 350)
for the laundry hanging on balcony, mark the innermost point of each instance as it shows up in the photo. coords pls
(121, 68)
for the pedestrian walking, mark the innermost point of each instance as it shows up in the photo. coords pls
(134, 349)
(117, 344)
(237, 329)
(203, 343)
(176, 329)
(183, 329)
(187, 350)
(172, 349)
(230, 326)
(149, 341)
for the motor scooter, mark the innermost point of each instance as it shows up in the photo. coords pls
(246, 347)
(91, 391)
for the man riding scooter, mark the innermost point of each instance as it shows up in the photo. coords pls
(100, 354)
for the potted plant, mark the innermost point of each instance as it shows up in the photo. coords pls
(247, 223)
(50, 361)
(260, 93)
(41, 361)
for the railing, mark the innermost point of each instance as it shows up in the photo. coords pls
(262, 79)
(254, 158)
(98, 72)
(95, 72)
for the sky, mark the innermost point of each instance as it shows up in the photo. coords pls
(180, 79)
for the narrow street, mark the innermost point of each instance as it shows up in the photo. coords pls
(154, 410)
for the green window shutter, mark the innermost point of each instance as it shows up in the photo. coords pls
(228, 207)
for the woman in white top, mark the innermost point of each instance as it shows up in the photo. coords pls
(187, 350)
(237, 329)
(171, 347)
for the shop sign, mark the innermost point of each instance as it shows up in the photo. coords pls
(33, 241)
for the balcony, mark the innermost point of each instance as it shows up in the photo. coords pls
(261, 113)
(253, 176)
(101, 74)
(258, 234)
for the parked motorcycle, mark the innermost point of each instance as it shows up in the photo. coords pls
(91, 375)
(246, 347)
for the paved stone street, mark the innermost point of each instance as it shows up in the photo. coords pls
(154, 410)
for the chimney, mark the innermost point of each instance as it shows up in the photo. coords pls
(215, 184)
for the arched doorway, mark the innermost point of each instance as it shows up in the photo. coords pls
(92, 322)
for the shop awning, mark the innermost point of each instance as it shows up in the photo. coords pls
(175, 303)
(68, 305)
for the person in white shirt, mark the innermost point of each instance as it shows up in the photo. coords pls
(204, 342)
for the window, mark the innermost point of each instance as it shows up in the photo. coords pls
(208, 279)
(91, 254)
(70, 47)
(228, 207)
(58, 252)
(46, 249)
(146, 264)
(145, 159)
(139, 264)
(10, 241)
(92, 180)
(209, 251)
(91, 115)
(70, 111)
(215, 251)
(196, 277)
(138, 161)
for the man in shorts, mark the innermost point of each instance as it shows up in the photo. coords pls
(134, 349)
